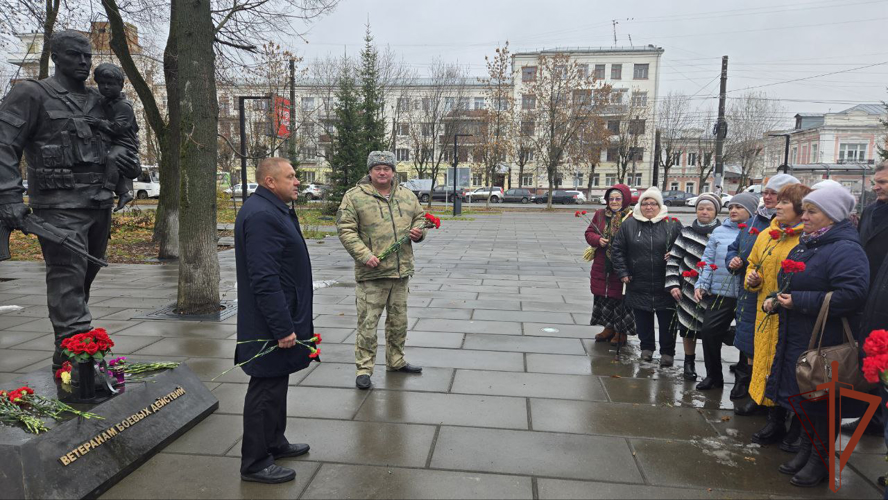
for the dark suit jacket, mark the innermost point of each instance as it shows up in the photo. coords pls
(873, 238)
(274, 285)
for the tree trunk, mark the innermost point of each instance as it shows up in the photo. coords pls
(166, 224)
(199, 115)
(52, 12)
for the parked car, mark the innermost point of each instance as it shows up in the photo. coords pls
(517, 196)
(314, 191)
(235, 191)
(445, 193)
(581, 198)
(675, 197)
(481, 194)
(724, 197)
(558, 196)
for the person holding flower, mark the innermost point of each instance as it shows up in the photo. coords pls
(373, 216)
(638, 257)
(608, 309)
(737, 261)
(828, 258)
(685, 255)
(722, 287)
(772, 247)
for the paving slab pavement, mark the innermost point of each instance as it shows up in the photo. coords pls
(516, 400)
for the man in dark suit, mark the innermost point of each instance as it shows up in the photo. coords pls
(874, 222)
(274, 288)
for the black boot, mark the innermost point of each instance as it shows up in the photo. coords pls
(800, 459)
(793, 438)
(816, 469)
(749, 408)
(774, 430)
(742, 375)
(690, 368)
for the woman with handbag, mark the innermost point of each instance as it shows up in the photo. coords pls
(834, 283)
(608, 309)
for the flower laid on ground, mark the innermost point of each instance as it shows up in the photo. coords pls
(121, 365)
(431, 222)
(270, 345)
(875, 364)
(117, 360)
(24, 406)
(92, 345)
(64, 373)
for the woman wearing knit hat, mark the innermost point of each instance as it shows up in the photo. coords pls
(834, 262)
(638, 251)
(685, 254)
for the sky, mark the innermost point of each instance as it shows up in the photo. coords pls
(837, 51)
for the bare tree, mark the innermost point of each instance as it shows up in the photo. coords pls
(593, 137)
(750, 117)
(673, 121)
(629, 125)
(704, 146)
(493, 139)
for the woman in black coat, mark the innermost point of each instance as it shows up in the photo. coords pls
(834, 262)
(639, 258)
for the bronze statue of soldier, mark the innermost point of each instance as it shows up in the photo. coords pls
(49, 122)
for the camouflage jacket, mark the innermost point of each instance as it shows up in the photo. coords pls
(368, 223)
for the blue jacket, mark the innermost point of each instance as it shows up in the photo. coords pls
(274, 285)
(834, 262)
(721, 281)
(744, 339)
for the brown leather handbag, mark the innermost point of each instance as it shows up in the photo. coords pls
(814, 365)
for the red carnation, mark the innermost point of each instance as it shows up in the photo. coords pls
(577, 213)
(873, 366)
(876, 343)
(754, 231)
(315, 354)
(583, 212)
(713, 267)
(742, 226)
(701, 264)
(58, 373)
(26, 390)
(792, 266)
(775, 234)
(790, 231)
(690, 274)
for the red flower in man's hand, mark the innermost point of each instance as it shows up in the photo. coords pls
(577, 213)
(315, 353)
(583, 212)
(775, 234)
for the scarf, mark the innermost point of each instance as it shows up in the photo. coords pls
(767, 213)
(705, 229)
(613, 221)
(806, 237)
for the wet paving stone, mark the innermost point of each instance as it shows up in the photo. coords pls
(190, 347)
(445, 409)
(537, 316)
(560, 330)
(208, 330)
(665, 393)
(512, 343)
(352, 481)
(343, 375)
(463, 358)
(12, 360)
(534, 385)
(422, 339)
(454, 325)
(11, 338)
(214, 435)
(551, 489)
(535, 453)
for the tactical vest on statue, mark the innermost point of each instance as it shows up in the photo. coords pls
(66, 158)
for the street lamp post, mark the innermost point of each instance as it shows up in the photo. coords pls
(457, 207)
(786, 168)
(241, 100)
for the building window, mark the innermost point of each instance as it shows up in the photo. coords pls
(223, 106)
(528, 101)
(640, 72)
(676, 160)
(814, 158)
(636, 181)
(793, 155)
(617, 95)
(689, 187)
(610, 179)
(426, 104)
(426, 129)
(476, 179)
(640, 99)
(403, 129)
(449, 103)
(613, 126)
(464, 103)
(583, 70)
(636, 127)
(692, 159)
(527, 179)
(673, 186)
(613, 154)
(402, 154)
(636, 154)
(559, 180)
(308, 176)
(599, 71)
(596, 179)
(529, 155)
(403, 104)
(308, 103)
(705, 188)
(852, 152)
(529, 74)
(527, 128)
(616, 71)
(309, 153)
(479, 103)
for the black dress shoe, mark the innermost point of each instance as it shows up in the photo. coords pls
(272, 474)
(408, 368)
(875, 429)
(292, 450)
(709, 383)
(363, 382)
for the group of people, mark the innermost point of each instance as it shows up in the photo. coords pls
(726, 283)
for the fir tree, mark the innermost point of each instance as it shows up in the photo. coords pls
(372, 105)
(348, 159)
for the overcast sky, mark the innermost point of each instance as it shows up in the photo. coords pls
(767, 42)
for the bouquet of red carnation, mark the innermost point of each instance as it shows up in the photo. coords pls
(875, 364)
(789, 268)
(431, 222)
(92, 345)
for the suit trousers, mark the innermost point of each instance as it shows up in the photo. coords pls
(715, 332)
(265, 420)
(644, 325)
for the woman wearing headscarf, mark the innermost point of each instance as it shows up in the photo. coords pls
(608, 309)
(737, 261)
(638, 257)
(834, 262)
(771, 247)
(682, 273)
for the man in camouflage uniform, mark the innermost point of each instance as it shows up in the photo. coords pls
(373, 216)
(47, 121)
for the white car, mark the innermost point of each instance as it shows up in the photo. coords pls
(581, 198)
(726, 198)
(314, 191)
(235, 191)
(481, 194)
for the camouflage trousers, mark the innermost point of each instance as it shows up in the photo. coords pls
(372, 297)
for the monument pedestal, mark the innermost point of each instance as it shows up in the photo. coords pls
(80, 457)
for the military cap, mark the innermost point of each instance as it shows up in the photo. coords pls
(380, 158)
